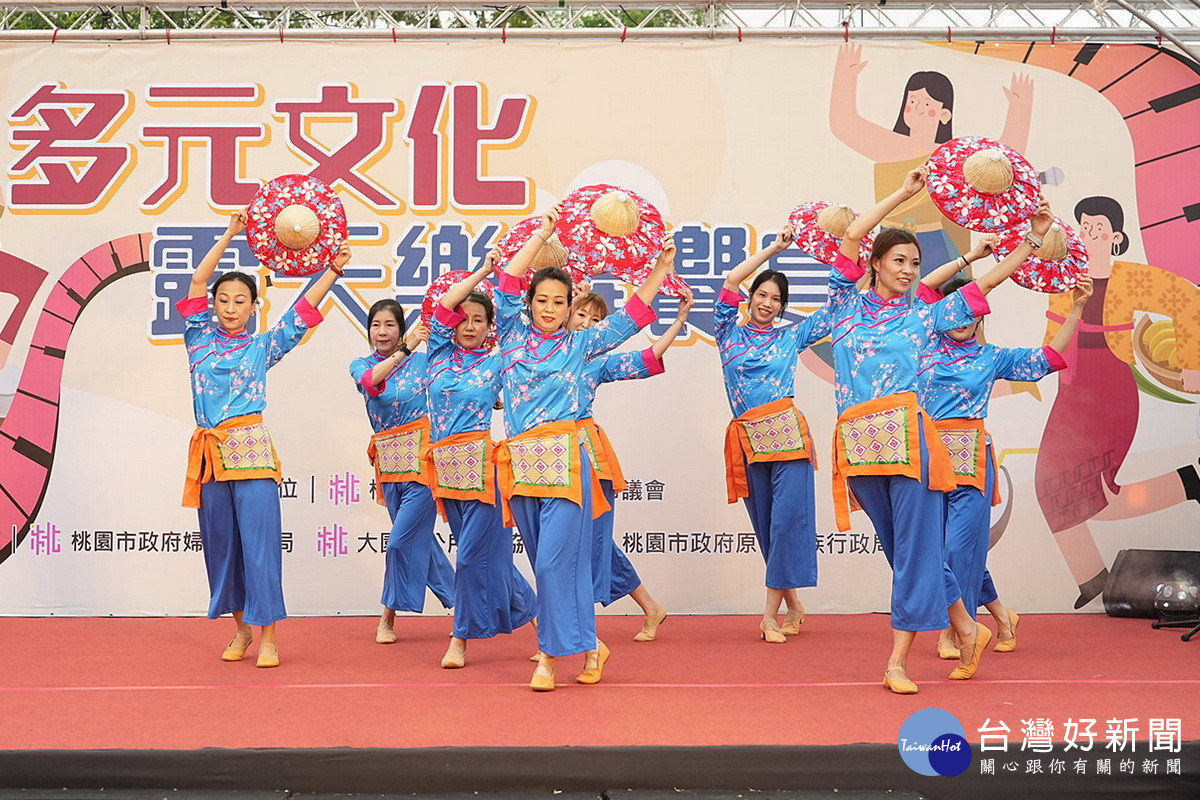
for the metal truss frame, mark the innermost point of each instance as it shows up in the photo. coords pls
(1161, 22)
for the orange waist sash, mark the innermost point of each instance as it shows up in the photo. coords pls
(966, 440)
(399, 455)
(238, 449)
(880, 437)
(464, 468)
(604, 457)
(545, 462)
(774, 431)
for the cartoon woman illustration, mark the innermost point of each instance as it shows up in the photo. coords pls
(925, 120)
(1078, 459)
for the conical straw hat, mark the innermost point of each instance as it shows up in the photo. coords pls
(297, 226)
(553, 254)
(616, 214)
(989, 171)
(1054, 244)
(834, 219)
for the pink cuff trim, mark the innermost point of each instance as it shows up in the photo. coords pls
(729, 298)
(850, 270)
(1055, 358)
(447, 317)
(509, 283)
(641, 313)
(654, 364)
(371, 389)
(312, 318)
(190, 306)
(976, 299)
(928, 294)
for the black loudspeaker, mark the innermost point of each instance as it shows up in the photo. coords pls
(1139, 577)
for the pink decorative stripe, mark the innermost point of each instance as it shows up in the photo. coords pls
(641, 313)
(311, 316)
(1055, 358)
(189, 306)
(652, 362)
(447, 317)
(509, 284)
(729, 298)
(850, 270)
(976, 299)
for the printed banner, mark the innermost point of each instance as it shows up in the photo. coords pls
(125, 160)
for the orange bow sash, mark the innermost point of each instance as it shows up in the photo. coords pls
(879, 437)
(966, 441)
(400, 455)
(239, 448)
(545, 462)
(774, 431)
(604, 457)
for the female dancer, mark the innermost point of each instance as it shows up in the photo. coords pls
(613, 576)
(1095, 414)
(924, 121)
(546, 476)
(954, 387)
(768, 450)
(886, 450)
(232, 466)
(464, 384)
(392, 381)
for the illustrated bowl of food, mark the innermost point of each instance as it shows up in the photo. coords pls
(1155, 345)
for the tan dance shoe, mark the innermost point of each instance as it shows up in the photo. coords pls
(1009, 644)
(592, 675)
(896, 679)
(236, 650)
(384, 633)
(964, 672)
(650, 626)
(455, 658)
(543, 678)
(268, 655)
(792, 622)
(770, 632)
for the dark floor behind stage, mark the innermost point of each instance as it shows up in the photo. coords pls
(135, 702)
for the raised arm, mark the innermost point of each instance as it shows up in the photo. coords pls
(855, 131)
(1020, 112)
(948, 270)
(459, 292)
(316, 293)
(208, 264)
(668, 338)
(1042, 219)
(412, 341)
(735, 276)
(1081, 294)
(664, 265)
(524, 258)
(914, 182)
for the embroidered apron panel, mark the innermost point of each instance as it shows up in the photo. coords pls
(461, 467)
(879, 438)
(777, 433)
(542, 461)
(964, 447)
(399, 453)
(248, 447)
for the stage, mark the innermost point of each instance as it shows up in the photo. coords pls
(147, 704)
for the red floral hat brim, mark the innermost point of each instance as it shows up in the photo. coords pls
(599, 252)
(433, 296)
(1040, 275)
(814, 240)
(284, 191)
(968, 206)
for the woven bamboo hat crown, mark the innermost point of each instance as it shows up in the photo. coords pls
(616, 214)
(297, 226)
(835, 219)
(989, 171)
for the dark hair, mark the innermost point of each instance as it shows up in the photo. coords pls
(888, 238)
(241, 277)
(553, 274)
(388, 305)
(937, 86)
(779, 279)
(592, 300)
(489, 310)
(1100, 206)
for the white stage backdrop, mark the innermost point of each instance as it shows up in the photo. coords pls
(123, 160)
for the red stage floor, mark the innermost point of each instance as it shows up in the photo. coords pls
(100, 683)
